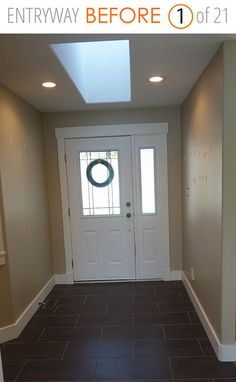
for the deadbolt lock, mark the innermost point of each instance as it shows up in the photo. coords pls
(128, 204)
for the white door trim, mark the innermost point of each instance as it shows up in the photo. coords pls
(99, 131)
(111, 130)
(1, 372)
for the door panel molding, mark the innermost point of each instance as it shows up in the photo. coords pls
(96, 238)
(131, 130)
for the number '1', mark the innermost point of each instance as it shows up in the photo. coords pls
(180, 10)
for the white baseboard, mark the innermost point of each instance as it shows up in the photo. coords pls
(3, 255)
(175, 275)
(64, 278)
(169, 275)
(67, 278)
(226, 353)
(10, 332)
(60, 279)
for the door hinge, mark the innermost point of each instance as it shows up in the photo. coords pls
(69, 212)
(65, 158)
(72, 263)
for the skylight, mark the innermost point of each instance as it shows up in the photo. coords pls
(100, 70)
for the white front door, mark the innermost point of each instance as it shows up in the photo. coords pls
(118, 201)
(101, 208)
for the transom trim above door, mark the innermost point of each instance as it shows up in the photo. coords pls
(114, 196)
(111, 130)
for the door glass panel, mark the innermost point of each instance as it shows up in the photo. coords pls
(147, 165)
(100, 188)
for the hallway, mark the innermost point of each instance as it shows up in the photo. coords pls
(115, 331)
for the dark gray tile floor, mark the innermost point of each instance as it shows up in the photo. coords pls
(135, 332)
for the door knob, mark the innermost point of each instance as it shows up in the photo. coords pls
(128, 204)
(128, 215)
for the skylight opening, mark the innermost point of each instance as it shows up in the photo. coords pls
(100, 70)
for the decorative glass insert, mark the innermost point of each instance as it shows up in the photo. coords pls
(100, 183)
(147, 164)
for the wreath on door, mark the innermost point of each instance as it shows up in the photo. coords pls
(90, 176)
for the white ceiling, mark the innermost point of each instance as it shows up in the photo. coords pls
(26, 61)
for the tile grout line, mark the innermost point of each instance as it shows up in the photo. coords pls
(191, 322)
(106, 308)
(93, 374)
(54, 312)
(181, 297)
(64, 294)
(171, 372)
(198, 340)
(101, 335)
(55, 300)
(194, 357)
(76, 321)
(64, 352)
(163, 332)
(19, 372)
(41, 335)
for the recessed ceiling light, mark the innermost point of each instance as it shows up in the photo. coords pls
(49, 84)
(156, 79)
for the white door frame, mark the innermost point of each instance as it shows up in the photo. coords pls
(1, 372)
(109, 131)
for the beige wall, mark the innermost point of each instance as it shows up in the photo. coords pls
(209, 213)
(6, 308)
(229, 195)
(202, 123)
(148, 115)
(25, 201)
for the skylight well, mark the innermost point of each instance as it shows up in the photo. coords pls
(100, 70)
